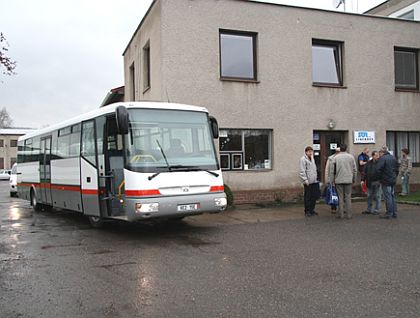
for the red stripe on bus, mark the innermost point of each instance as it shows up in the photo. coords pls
(141, 193)
(90, 191)
(65, 187)
(217, 188)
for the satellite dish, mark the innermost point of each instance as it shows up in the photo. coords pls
(337, 3)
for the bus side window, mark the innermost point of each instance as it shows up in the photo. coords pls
(88, 142)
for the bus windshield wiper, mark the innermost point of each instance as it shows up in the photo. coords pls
(193, 168)
(166, 161)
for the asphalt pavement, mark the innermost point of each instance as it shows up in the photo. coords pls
(247, 262)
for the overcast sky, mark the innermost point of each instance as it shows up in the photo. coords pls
(69, 53)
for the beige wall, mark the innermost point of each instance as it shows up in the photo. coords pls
(150, 31)
(284, 99)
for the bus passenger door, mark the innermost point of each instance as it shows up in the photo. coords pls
(45, 170)
(89, 171)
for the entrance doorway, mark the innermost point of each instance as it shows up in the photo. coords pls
(325, 143)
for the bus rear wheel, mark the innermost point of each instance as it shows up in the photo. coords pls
(96, 221)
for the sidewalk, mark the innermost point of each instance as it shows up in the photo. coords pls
(254, 214)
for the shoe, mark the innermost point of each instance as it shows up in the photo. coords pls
(339, 217)
(314, 213)
(385, 217)
(308, 215)
(366, 212)
(375, 213)
(394, 216)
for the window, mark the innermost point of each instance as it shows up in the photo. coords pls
(133, 82)
(63, 146)
(146, 67)
(1, 143)
(74, 150)
(13, 143)
(409, 15)
(1, 163)
(238, 55)
(88, 142)
(12, 161)
(397, 140)
(245, 149)
(406, 69)
(327, 68)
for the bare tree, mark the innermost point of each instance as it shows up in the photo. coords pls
(6, 62)
(5, 119)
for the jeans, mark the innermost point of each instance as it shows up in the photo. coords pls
(310, 196)
(389, 197)
(374, 192)
(344, 199)
(405, 186)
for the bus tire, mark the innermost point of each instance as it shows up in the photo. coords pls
(34, 202)
(96, 221)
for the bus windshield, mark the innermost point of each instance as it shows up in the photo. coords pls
(166, 140)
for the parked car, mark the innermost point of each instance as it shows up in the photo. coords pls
(13, 181)
(5, 174)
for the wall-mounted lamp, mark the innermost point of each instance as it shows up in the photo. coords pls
(331, 124)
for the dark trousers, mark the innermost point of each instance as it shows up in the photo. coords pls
(310, 195)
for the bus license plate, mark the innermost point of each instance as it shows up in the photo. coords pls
(188, 207)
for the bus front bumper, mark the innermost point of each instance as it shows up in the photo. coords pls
(174, 206)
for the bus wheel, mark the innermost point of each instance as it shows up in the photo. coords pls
(34, 202)
(96, 221)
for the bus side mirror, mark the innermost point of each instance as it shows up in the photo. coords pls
(121, 115)
(214, 126)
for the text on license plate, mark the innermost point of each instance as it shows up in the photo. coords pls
(188, 207)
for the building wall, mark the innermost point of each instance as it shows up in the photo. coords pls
(149, 31)
(284, 98)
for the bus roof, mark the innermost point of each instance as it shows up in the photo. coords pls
(109, 109)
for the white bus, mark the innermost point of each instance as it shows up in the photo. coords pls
(126, 161)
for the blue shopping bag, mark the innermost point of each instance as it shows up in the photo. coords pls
(331, 196)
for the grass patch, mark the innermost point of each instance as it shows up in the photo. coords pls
(412, 197)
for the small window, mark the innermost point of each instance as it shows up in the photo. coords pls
(238, 55)
(64, 131)
(406, 69)
(13, 143)
(1, 143)
(409, 15)
(146, 67)
(327, 66)
(133, 82)
(1, 163)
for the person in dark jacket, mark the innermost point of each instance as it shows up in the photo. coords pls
(388, 170)
(372, 178)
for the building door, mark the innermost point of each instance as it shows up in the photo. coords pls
(325, 143)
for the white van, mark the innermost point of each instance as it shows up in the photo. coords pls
(13, 181)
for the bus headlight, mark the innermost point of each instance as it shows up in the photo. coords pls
(147, 207)
(220, 202)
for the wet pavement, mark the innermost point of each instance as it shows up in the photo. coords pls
(265, 262)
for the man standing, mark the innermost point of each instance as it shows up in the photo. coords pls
(372, 177)
(362, 161)
(343, 173)
(309, 176)
(388, 169)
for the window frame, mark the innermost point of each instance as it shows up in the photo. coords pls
(231, 154)
(339, 48)
(402, 87)
(396, 149)
(254, 37)
(146, 67)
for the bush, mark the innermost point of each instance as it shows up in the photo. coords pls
(229, 196)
